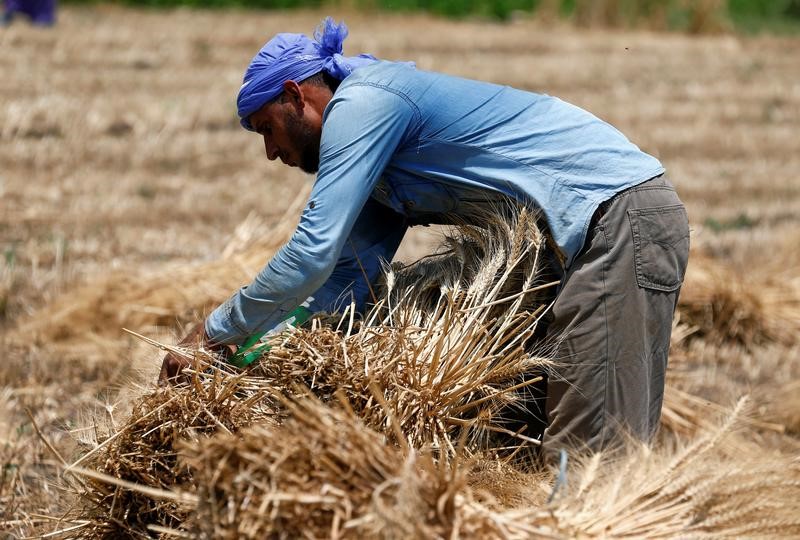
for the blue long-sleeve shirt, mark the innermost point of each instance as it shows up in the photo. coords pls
(400, 145)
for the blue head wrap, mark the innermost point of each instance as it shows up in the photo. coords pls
(295, 57)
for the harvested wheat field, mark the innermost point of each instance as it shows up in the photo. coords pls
(131, 198)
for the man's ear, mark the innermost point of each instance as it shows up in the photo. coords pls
(294, 94)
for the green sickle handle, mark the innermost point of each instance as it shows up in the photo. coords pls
(252, 349)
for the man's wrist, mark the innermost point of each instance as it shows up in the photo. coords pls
(225, 350)
(195, 337)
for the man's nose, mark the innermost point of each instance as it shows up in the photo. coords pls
(270, 149)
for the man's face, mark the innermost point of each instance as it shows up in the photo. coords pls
(288, 135)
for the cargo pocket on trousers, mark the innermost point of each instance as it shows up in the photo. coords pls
(661, 246)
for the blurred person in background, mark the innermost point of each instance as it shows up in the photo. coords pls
(40, 12)
(393, 147)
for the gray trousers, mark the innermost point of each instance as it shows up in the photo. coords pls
(612, 319)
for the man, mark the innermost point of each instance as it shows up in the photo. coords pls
(393, 146)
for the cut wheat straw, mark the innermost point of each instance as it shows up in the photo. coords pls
(388, 428)
(324, 474)
(430, 368)
(724, 307)
(695, 490)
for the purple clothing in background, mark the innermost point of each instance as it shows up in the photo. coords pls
(40, 11)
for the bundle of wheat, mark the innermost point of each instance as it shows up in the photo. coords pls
(447, 347)
(724, 308)
(324, 474)
(697, 490)
(140, 457)
(429, 367)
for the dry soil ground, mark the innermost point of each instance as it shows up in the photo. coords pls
(122, 161)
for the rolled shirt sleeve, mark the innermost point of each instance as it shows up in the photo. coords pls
(374, 239)
(362, 127)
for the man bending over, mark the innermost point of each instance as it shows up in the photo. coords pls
(393, 146)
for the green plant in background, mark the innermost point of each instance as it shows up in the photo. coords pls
(693, 16)
(7, 277)
(740, 222)
(497, 9)
(781, 16)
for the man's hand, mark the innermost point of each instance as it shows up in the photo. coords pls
(173, 364)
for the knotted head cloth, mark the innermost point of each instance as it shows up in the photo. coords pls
(295, 57)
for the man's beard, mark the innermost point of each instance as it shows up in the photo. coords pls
(305, 140)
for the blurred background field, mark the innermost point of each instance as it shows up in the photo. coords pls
(128, 188)
(696, 16)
